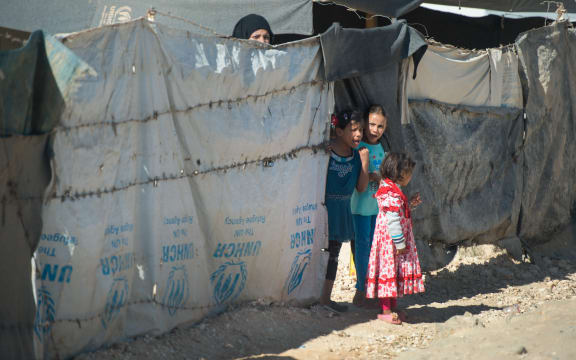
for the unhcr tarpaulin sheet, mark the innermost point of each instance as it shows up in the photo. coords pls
(187, 176)
(64, 16)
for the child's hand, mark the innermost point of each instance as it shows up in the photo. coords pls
(401, 251)
(375, 177)
(364, 155)
(415, 201)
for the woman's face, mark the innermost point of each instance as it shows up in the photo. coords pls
(261, 35)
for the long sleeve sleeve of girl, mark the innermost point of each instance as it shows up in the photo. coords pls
(395, 229)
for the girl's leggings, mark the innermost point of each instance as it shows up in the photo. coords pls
(364, 229)
(333, 250)
(387, 304)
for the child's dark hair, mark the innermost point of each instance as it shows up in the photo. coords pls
(375, 109)
(343, 118)
(396, 164)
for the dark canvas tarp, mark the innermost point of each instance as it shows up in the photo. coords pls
(549, 200)
(392, 8)
(508, 5)
(354, 52)
(369, 74)
(33, 86)
(24, 176)
(35, 107)
(30, 104)
(64, 16)
(469, 171)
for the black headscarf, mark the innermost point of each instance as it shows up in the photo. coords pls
(250, 23)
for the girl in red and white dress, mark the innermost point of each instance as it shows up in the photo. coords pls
(394, 268)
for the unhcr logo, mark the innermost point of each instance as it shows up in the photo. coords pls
(115, 14)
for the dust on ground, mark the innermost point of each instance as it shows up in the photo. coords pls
(483, 305)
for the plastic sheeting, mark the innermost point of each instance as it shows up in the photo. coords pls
(347, 55)
(34, 87)
(549, 200)
(186, 177)
(35, 107)
(468, 171)
(466, 77)
(64, 16)
(23, 179)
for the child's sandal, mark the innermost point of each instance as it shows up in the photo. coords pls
(391, 318)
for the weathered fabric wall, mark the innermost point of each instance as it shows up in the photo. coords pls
(549, 199)
(467, 77)
(186, 177)
(65, 16)
(369, 75)
(34, 87)
(24, 176)
(468, 173)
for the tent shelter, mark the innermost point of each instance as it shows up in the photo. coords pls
(161, 172)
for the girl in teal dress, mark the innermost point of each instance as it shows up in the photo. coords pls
(347, 170)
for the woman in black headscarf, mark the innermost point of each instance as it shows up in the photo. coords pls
(253, 27)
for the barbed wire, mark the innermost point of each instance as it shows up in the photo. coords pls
(267, 161)
(153, 12)
(329, 3)
(222, 102)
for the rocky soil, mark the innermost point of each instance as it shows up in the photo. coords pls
(483, 305)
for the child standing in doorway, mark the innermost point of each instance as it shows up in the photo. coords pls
(394, 268)
(364, 205)
(347, 170)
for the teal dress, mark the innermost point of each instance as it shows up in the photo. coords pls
(340, 184)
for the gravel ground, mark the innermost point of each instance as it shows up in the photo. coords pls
(483, 305)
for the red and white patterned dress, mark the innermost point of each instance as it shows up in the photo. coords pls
(391, 275)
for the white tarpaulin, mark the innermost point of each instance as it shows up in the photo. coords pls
(186, 176)
(465, 77)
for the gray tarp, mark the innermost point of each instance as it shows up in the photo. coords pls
(293, 16)
(547, 56)
(379, 65)
(30, 104)
(34, 104)
(33, 84)
(354, 52)
(469, 172)
(392, 8)
(24, 176)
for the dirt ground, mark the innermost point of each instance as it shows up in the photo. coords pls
(483, 305)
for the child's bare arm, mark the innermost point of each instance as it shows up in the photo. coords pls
(362, 182)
